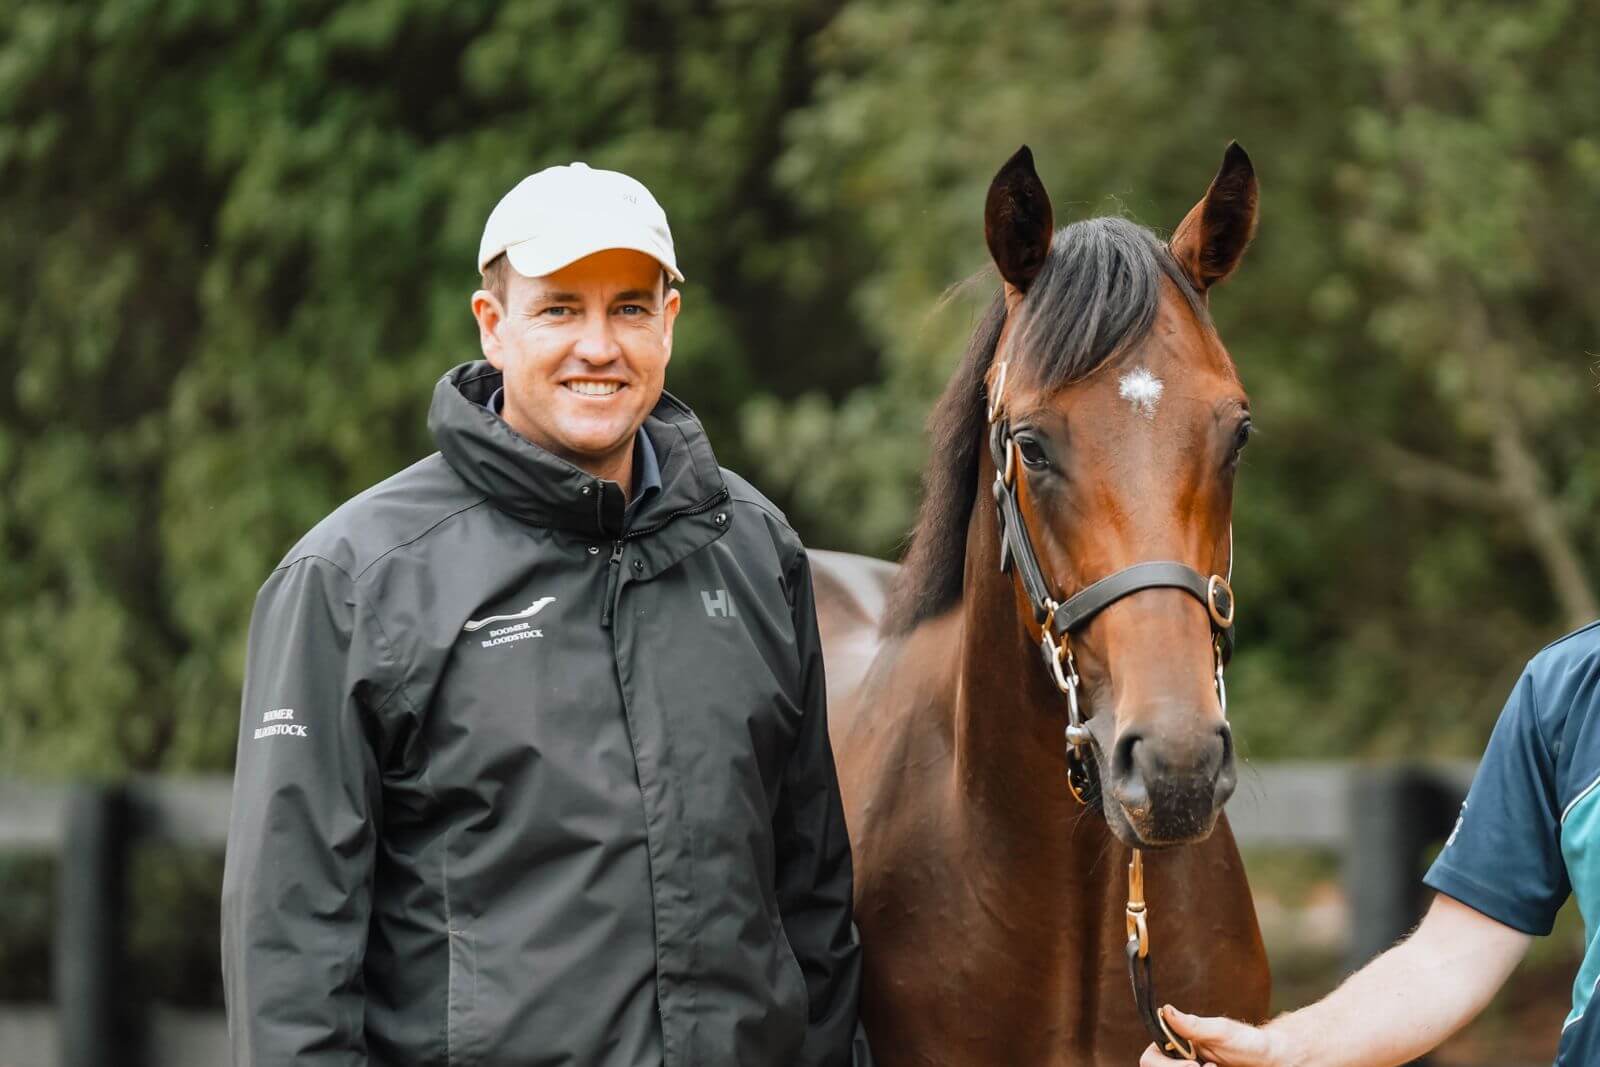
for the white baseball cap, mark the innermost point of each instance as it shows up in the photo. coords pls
(564, 213)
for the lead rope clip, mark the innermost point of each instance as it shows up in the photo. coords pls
(1138, 929)
(1139, 941)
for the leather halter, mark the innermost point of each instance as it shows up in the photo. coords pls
(1057, 621)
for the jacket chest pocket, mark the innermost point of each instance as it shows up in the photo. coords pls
(720, 660)
(535, 724)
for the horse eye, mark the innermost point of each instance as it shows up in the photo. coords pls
(1241, 437)
(1032, 454)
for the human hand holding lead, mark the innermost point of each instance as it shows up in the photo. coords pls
(1219, 1042)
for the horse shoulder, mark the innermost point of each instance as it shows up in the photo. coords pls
(850, 593)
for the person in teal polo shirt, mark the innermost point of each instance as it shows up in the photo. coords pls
(1527, 839)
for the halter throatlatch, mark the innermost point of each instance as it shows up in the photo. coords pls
(1057, 621)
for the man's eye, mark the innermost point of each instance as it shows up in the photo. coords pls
(634, 309)
(557, 311)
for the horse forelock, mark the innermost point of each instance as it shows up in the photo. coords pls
(1097, 294)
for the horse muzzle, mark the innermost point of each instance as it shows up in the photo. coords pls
(1162, 790)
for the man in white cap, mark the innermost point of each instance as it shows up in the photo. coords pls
(533, 765)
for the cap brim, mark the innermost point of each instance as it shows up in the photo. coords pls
(541, 255)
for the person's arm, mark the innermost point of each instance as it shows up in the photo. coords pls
(1393, 1010)
(813, 859)
(1501, 879)
(296, 885)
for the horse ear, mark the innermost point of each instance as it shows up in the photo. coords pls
(1017, 221)
(1212, 237)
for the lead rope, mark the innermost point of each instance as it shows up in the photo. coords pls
(1138, 950)
(1138, 946)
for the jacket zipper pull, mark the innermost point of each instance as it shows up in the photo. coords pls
(613, 568)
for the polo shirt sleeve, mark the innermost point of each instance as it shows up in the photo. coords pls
(1504, 856)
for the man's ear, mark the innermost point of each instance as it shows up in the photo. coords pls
(670, 306)
(1211, 239)
(486, 308)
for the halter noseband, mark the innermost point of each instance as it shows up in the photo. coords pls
(1057, 621)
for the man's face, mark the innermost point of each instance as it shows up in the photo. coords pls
(583, 352)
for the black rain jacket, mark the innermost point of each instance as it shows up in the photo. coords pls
(518, 787)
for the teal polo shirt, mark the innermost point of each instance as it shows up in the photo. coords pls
(1529, 832)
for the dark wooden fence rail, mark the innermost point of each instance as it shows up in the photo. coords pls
(1381, 821)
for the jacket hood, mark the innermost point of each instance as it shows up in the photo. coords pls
(540, 488)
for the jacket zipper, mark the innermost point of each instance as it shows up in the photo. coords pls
(612, 570)
(614, 566)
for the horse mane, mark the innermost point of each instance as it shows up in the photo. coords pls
(1096, 294)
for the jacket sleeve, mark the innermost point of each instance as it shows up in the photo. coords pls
(813, 859)
(296, 885)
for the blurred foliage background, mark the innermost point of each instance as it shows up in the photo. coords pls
(240, 237)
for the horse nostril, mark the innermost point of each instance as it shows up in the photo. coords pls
(1126, 774)
(1122, 761)
(1226, 776)
(1226, 733)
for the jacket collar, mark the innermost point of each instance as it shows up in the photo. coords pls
(540, 488)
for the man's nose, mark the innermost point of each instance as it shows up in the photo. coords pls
(597, 343)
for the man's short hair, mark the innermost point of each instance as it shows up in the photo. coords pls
(497, 279)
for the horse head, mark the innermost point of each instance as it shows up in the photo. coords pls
(1117, 424)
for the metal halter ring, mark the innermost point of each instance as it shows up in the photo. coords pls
(1079, 783)
(1222, 686)
(997, 392)
(1222, 619)
(1138, 932)
(1067, 681)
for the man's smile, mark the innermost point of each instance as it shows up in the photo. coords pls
(593, 387)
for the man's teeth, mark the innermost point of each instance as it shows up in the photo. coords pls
(594, 388)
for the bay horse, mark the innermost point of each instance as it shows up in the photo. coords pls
(1093, 427)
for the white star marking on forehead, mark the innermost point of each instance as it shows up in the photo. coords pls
(1141, 389)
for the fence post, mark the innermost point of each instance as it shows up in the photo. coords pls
(94, 999)
(1396, 813)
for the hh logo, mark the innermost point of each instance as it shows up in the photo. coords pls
(718, 604)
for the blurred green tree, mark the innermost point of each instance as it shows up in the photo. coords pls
(243, 238)
(1415, 323)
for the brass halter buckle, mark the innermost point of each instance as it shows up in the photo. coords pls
(1221, 618)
